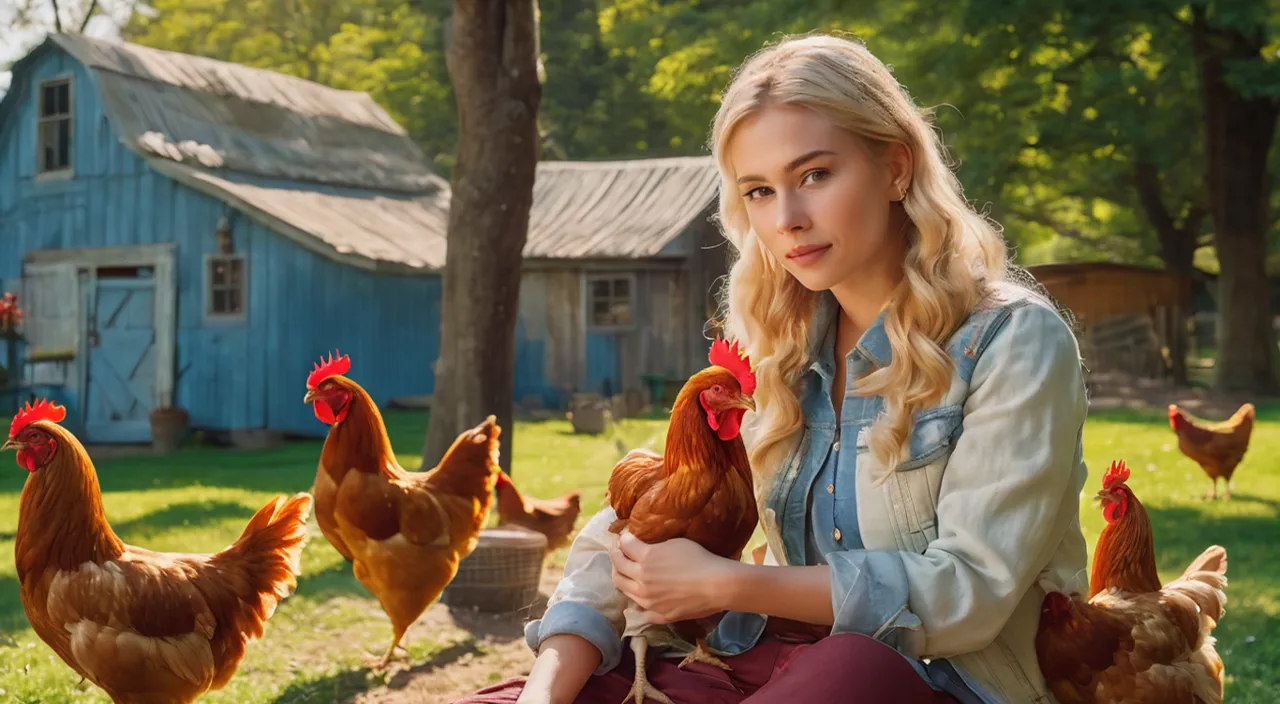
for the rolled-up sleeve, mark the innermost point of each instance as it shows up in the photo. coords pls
(1009, 494)
(586, 603)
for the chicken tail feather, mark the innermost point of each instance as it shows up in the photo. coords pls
(1205, 582)
(268, 554)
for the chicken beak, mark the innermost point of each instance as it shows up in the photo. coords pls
(748, 403)
(11, 445)
(310, 397)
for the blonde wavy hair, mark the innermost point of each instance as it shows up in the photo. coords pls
(952, 254)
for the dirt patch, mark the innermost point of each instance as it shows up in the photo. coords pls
(1109, 391)
(485, 649)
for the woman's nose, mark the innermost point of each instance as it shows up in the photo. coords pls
(793, 217)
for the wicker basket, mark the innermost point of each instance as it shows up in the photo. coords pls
(502, 574)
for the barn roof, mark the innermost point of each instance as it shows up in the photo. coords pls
(222, 115)
(616, 209)
(333, 171)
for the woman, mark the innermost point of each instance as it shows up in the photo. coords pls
(917, 449)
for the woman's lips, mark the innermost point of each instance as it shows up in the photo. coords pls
(808, 254)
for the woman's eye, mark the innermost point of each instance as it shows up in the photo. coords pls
(757, 193)
(816, 175)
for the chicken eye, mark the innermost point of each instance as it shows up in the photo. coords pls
(718, 389)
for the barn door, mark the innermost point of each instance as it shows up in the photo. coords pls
(121, 356)
(51, 300)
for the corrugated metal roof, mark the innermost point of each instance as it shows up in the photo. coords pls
(613, 209)
(361, 227)
(223, 115)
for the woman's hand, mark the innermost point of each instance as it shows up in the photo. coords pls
(673, 580)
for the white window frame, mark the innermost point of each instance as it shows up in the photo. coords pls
(589, 300)
(212, 316)
(61, 172)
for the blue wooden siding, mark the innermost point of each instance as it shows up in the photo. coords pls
(245, 375)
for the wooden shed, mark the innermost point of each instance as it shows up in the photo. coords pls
(1131, 318)
(621, 263)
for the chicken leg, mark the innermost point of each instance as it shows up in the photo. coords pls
(641, 687)
(702, 653)
(1213, 493)
(381, 665)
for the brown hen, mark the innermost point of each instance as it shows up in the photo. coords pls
(700, 488)
(1216, 447)
(1134, 641)
(554, 518)
(147, 627)
(405, 532)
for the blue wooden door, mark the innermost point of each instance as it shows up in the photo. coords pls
(122, 361)
(602, 363)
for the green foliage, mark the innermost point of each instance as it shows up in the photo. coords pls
(1048, 107)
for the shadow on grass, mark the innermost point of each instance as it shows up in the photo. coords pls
(335, 687)
(12, 617)
(186, 513)
(342, 686)
(439, 659)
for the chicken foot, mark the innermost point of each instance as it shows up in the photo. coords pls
(702, 653)
(381, 665)
(641, 687)
(1213, 493)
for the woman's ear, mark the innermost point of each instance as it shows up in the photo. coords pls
(900, 163)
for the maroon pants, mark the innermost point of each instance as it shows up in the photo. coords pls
(780, 669)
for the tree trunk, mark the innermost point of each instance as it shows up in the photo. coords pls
(492, 59)
(1238, 135)
(1177, 250)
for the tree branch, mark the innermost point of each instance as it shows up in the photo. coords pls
(93, 5)
(57, 17)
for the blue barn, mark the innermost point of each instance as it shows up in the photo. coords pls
(194, 233)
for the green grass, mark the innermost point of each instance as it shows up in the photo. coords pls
(199, 499)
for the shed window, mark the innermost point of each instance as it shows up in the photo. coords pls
(225, 278)
(53, 131)
(609, 301)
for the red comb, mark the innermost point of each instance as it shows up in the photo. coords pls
(42, 410)
(729, 356)
(1117, 474)
(327, 368)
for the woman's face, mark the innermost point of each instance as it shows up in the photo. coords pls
(817, 199)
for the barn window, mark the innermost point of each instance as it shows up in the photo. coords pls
(53, 129)
(609, 300)
(225, 283)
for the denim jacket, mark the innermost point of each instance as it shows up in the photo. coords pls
(961, 541)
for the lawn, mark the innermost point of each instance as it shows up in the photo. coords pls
(199, 499)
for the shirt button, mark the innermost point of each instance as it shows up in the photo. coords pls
(831, 488)
(837, 534)
(836, 446)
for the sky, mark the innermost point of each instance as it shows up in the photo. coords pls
(15, 41)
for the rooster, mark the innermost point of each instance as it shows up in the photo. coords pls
(700, 489)
(404, 531)
(1216, 447)
(1134, 641)
(554, 518)
(146, 627)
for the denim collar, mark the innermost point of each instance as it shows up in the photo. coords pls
(874, 343)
